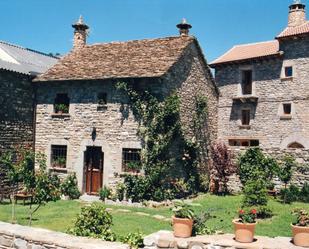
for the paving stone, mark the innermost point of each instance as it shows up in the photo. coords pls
(124, 210)
(142, 214)
(20, 244)
(159, 217)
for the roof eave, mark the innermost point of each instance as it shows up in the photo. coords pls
(225, 63)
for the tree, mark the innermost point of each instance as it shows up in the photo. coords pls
(221, 167)
(286, 169)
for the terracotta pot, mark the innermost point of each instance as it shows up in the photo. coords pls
(300, 235)
(244, 232)
(182, 227)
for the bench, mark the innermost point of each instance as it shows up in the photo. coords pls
(23, 197)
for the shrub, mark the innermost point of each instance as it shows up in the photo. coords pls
(263, 212)
(221, 167)
(290, 194)
(253, 165)
(94, 221)
(105, 193)
(69, 187)
(255, 194)
(247, 216)
(304, 193)
(120, 191)
(134, 240)
(183, 210)
(199, 225)
(137, 188)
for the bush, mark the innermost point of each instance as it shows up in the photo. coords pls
(304, 193)
(120, 191)
(221, 167)
(286, 169)
(105, 193)
(134, 240)
(69, 187)
(264, 212)
(290, 194)
(253, 165)
(255, 193)
(94, 221)
(199, 226)
(137, 188)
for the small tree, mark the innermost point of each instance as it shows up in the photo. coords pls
(44, 187)
(221, 167)
(286, 169)
(255, 193)
(253, 165)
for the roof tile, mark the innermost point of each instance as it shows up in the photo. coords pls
(291, 31)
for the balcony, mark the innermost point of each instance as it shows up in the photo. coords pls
(246, 98)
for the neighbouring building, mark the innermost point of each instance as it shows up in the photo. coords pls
(84, 125)
(264, 89)
(18, 66)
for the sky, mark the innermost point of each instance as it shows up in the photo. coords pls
(45, 25)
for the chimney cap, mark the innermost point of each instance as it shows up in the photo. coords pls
(184, 27)
(80, 25)
(297, 4)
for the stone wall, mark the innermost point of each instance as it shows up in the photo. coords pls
(300, 174)
(22, 237)
(116, 127)
(166, 240)
(16, 112)
(272, 90)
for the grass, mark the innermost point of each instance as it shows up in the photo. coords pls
(59, 216)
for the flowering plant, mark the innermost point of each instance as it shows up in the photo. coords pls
(247, 216)
(302, 217)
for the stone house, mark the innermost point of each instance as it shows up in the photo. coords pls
(18, 66)
(84, 125)
(264, 89)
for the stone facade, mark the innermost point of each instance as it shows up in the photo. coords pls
(22, 237)
(272, 89)
(115, 125)
(17, 110)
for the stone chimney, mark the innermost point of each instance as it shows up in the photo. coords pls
(184, 27)
(80, 34)
(297, 14)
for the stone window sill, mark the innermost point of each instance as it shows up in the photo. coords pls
(245, 127)
(286, 117)
(287, 78)
(55, 169)
(60, 115)
(246, 98)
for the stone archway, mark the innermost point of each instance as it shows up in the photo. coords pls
(295, 145)
(295, 141)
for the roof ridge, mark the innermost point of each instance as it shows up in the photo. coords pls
(28, 49)
(139, 40)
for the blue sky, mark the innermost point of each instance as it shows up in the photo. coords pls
(45, 25)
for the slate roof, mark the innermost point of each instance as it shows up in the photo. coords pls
(248, 51)
(132, 59)
(24, 60)
(298, 30)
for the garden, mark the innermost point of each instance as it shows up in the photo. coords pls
(174, 169)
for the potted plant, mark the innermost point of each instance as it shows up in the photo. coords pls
(182, 219)
(244, 226)
(59, 162)
(61, 108)
(300, 229)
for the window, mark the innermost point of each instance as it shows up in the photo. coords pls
(244, 142)
(102, 98)
(246, 82)
(245, 117)
(62, 103)
(287, 109)
(288, 72)
(296, 145)
(58, 156)
(131, 160)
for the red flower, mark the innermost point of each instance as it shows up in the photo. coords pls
(241, 211)
(253, 211)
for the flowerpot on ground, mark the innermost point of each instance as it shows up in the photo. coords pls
(244, 226)
(300, 235)
(300, 229)
(182, 219)
(182, 227)
(244, 232)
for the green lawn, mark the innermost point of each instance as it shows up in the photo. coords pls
(60, 215)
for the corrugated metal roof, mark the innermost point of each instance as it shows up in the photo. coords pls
(24, 60)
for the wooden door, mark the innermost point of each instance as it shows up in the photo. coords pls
(94, 160)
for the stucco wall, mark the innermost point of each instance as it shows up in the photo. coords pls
(272, 91)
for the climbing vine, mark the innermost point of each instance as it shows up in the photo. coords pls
(170, 161)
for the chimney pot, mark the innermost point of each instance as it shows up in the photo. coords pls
(80, 33)
(184, 27)
(297, 14)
